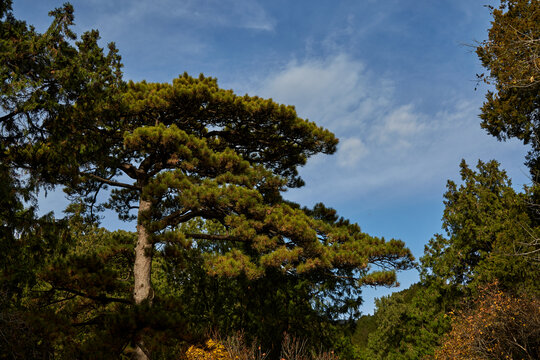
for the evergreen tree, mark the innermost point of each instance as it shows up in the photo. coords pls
(26, 243)
(511, 55)
(306, 306)
(489, 231)
(409, 323)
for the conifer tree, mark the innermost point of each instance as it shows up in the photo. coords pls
(511, 56)
(489, 228)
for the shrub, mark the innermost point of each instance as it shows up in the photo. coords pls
(213, 350)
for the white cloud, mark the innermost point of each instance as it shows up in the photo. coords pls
(336, 92)
(351, 151)
(403, 121)
(398, 128)
(387, 147)
(231, 13)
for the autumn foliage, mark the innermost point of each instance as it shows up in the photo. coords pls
(213, 350)
(497, 325)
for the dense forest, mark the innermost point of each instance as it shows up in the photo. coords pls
(218, 264)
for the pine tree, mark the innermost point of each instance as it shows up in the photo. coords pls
(166, 153)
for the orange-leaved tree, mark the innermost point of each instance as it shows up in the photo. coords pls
(497, 325)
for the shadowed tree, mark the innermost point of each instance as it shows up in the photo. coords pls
(26, 243)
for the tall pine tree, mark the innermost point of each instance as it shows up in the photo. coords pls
(166, 153)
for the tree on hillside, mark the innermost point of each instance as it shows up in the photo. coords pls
(168, 153)
(511, 55)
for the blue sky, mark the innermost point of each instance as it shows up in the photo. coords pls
(393, 79)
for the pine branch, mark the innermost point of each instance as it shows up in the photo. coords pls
(182, 216)
(59, 300)
(129, 170)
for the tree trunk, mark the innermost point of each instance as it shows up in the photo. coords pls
(142, 269)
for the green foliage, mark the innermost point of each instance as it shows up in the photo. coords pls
(408, 324)
(491, 230)
(259, 130)
(204, 170)
(490, 237)
(511, 55)
(264, 308)
(25, 244)
(58, 286)
(364, 326)
(192, 171)
(488, 226)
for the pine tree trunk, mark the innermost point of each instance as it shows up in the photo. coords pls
(142, 268)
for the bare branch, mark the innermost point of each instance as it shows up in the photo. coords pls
(113, 183)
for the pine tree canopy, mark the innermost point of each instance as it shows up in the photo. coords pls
(187, 149)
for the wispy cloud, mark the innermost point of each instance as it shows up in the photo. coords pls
(337, 91)
(163, 38)
(386, 146)
(247, 14)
